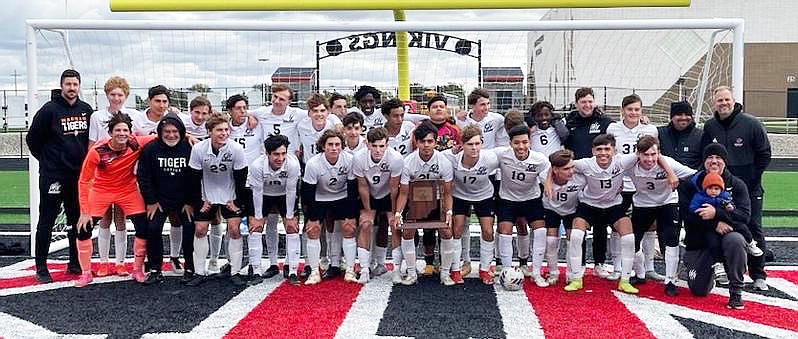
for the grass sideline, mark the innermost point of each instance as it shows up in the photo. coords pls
(779, 188)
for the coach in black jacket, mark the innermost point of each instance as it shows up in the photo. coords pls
(584, 124)
(681, 139)
(163, 180)
(59, 139)
(749, 155)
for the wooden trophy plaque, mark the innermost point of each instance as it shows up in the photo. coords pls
(423, 198)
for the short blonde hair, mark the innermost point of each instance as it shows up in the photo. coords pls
(117, 82)
(722, 88)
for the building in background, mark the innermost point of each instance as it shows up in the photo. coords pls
(301, 79)
(506, 87)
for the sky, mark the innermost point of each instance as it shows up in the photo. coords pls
(231, 59)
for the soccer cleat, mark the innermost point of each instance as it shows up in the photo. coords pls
(735, 302)
(43, 276)
(428, 271)
(600, 270)
(350, 276)
(653, 275)
(625, 287)
(313, 279)
(487, 277)
(286, 274)
(409, 280)
(196, 280)
(138, 276)
(364, 277)
(155, 277)
(225, 272)
(377, 271)
(574, 285)
(760, 284)
(553, 279)
(271, 272)
(236, 280)
(671, 290)
(213, 265)
(446, 280)
(324, 263)
(255, 279)
(104, 270)
(293, 280)
(177, 267)
(465, 270)
(121, 270)
(187, 276)
(306, 272)
(525, 270)
(85, 279)
(74, 268)
(332, 273)
(720, 274)
(457, 277)
(614, 276)
(396, 276)
(634, 280)
(538, 280)
(753, 249)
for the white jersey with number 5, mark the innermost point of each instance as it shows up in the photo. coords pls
(473, 184)
(330, 179)
(626, 142)
(218, 185)
(545, 141)
(402, 142)
(263, 180)
(521, 179)
(274, 124)
(604, 185)
(436, 168)
(653, 188)
(250, 139)
(377, 174)
(565, 197)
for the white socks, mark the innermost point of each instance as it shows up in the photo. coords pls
(627, 255)
(350, 251)
(409, 251)
(577, 270)
(364, 255)
(447, 253)
(120, 246)
(671, 264)
(175, 240)
(649, 245)
(235, 252)
(255, 246)
(465, 246)
(486, 249)
(615, 251)
(292, 245)
(215, 237)
(272, 238)
(552, 251)
(396, 256)
(506, 249)
(640, 271)
(538, 250)
(200, 252)
(334, 245)
(314, 252)
(379, 255)
(523, 247)
(457, 248)
(104, 244)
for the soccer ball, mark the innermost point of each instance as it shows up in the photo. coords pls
(512, 279)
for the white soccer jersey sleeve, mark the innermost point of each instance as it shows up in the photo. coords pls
(565, 197)
(198, 131)
(250, 139)
(604, 185)
(403, 141)
(98, 125)
(330, 179)
(379, 174)
(653, 188)
(472, 184)
(521, 178)
(142, 125)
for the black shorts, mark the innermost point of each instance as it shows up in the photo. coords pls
(380, 205)
(210, 214)
(509, 211)
(667, 218)
(336, 210)
(626, 202)
(482, 208)
(272, 205)
(600, 217)
(554, 219)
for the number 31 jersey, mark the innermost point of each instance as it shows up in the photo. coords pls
(218, 185)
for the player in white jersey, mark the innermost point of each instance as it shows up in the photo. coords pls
(367, 99)
(251, 139)
(338, 105)
(220, 172)
(601, 203)
(198, 111)
(309, 129)
(273, 179)
(559, 204)
(146, 122)
(426, 163)
(400, 132)
(473, 190)
(329, 191)
(116, 91)
(522, 171)
(548, 129)
(656, 212)
(353, 130)
(492, 124)
(626, 133)
(377, 169)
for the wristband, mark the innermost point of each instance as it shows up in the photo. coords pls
(449, 212)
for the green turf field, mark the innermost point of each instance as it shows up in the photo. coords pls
(781, 189)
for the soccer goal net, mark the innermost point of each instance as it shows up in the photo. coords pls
(518, 63)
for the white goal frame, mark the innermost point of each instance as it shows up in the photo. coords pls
(735, 25)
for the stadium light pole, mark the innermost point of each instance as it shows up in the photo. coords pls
(265, 76)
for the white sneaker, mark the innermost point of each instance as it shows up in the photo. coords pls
(396, 276)
(720, 274)
(760, 284)
(600, 270)
(213, 266)
(553, 279)
(653, 275)
(350, 276)
(378, 270)
(314, 278)
(409, 280)
(446, 279)
(364, 276)
(525, 270)
(615, 275)
(324, 263)
(753, 249)
(538, 280)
